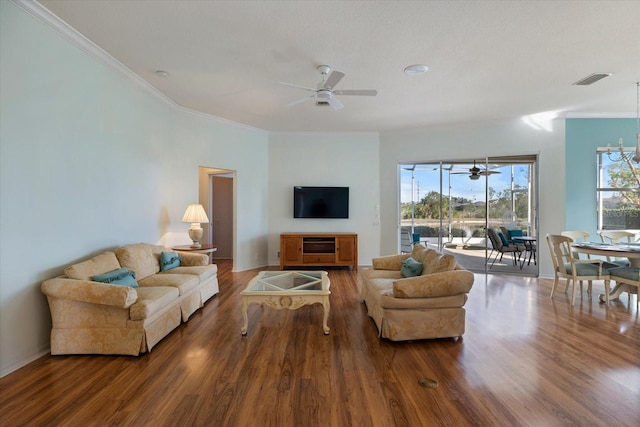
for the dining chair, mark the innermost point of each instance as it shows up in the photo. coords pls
(572, 269)
(578, 236)
(627, 276)
(608, 236)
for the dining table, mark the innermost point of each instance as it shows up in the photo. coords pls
(631, 251)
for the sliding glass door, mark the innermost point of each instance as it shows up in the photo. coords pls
(451, 205)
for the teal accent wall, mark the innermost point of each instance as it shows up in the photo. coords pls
(583, 137)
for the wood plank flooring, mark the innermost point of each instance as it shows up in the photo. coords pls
(525, 360)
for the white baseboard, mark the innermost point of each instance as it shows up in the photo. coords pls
(23, 363)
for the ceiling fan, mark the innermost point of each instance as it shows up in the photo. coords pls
(325, 95)
(475, 172)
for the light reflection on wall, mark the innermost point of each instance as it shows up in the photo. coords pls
(541, 121)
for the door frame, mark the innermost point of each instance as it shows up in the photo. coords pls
(533, 197)
(205, 191)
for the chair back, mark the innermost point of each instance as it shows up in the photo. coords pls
(617, 236)
(406, 242)
(560, 248)
(576, 235)
(504, 231)
(496, 242)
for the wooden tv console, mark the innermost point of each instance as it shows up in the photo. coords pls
(318, 250)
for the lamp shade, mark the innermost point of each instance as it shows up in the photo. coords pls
(195, 213)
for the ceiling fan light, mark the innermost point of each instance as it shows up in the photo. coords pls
(324, 94)
(474, 176)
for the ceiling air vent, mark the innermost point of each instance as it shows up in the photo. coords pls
(591, 79)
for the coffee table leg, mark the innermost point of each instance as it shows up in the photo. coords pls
(325, 326)
(245, 319)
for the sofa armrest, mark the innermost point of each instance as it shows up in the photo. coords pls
(90, 292)
(434, 285)
(391, 262)
(191, 259)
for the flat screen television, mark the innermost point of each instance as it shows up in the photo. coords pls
(320, 202)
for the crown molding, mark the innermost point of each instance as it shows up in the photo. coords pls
(600, 116)
(326, 133)
(44, 15)
(69, 33)
(206, 116)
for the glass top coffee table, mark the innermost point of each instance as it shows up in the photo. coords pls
(287, 289)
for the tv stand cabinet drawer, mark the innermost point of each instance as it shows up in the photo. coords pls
(319, 258)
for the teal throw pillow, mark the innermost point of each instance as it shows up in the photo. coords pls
(411, 268)
(515, 233)
(504, 239)
(169, 260)
(121, 276)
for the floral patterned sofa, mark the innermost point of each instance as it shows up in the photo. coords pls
(427, 305)
(157, 289)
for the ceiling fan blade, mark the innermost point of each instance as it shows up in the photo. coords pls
(297, 87)
(300, 101)
(358, 92)
(334, 103)
(485, 173)
(333, 80)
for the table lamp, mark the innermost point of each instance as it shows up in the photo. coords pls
(196, 215)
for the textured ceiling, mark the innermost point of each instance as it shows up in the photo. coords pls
(487, 59)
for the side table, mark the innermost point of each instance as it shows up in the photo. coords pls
(204, 249)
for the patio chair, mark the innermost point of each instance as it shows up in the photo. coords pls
(500, 248)
(406, 242)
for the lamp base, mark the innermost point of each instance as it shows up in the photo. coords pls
(195, 234)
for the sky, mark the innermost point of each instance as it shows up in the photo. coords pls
(427, 178)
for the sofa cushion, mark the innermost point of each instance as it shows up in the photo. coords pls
(411, 267)
(389, 302)
(503, 239)
(151, 300)
(142, 258)
(382, 293)
(121, 276)
(99, 264)
(391, 262)
(183, 282)
(434, 261)
(169, 260)
(434, 285)
(203, 272)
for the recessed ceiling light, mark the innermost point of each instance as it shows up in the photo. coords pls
(416, 69)
(162, 73)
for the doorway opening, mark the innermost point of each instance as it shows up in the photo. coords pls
(455, 206)
(217, 195)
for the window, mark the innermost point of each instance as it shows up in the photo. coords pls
(618, 189)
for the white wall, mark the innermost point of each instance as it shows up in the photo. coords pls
(91, 160)
(215, 144)
(477, 141)
(331, 159)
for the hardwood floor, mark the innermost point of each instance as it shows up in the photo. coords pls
(524, 360)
